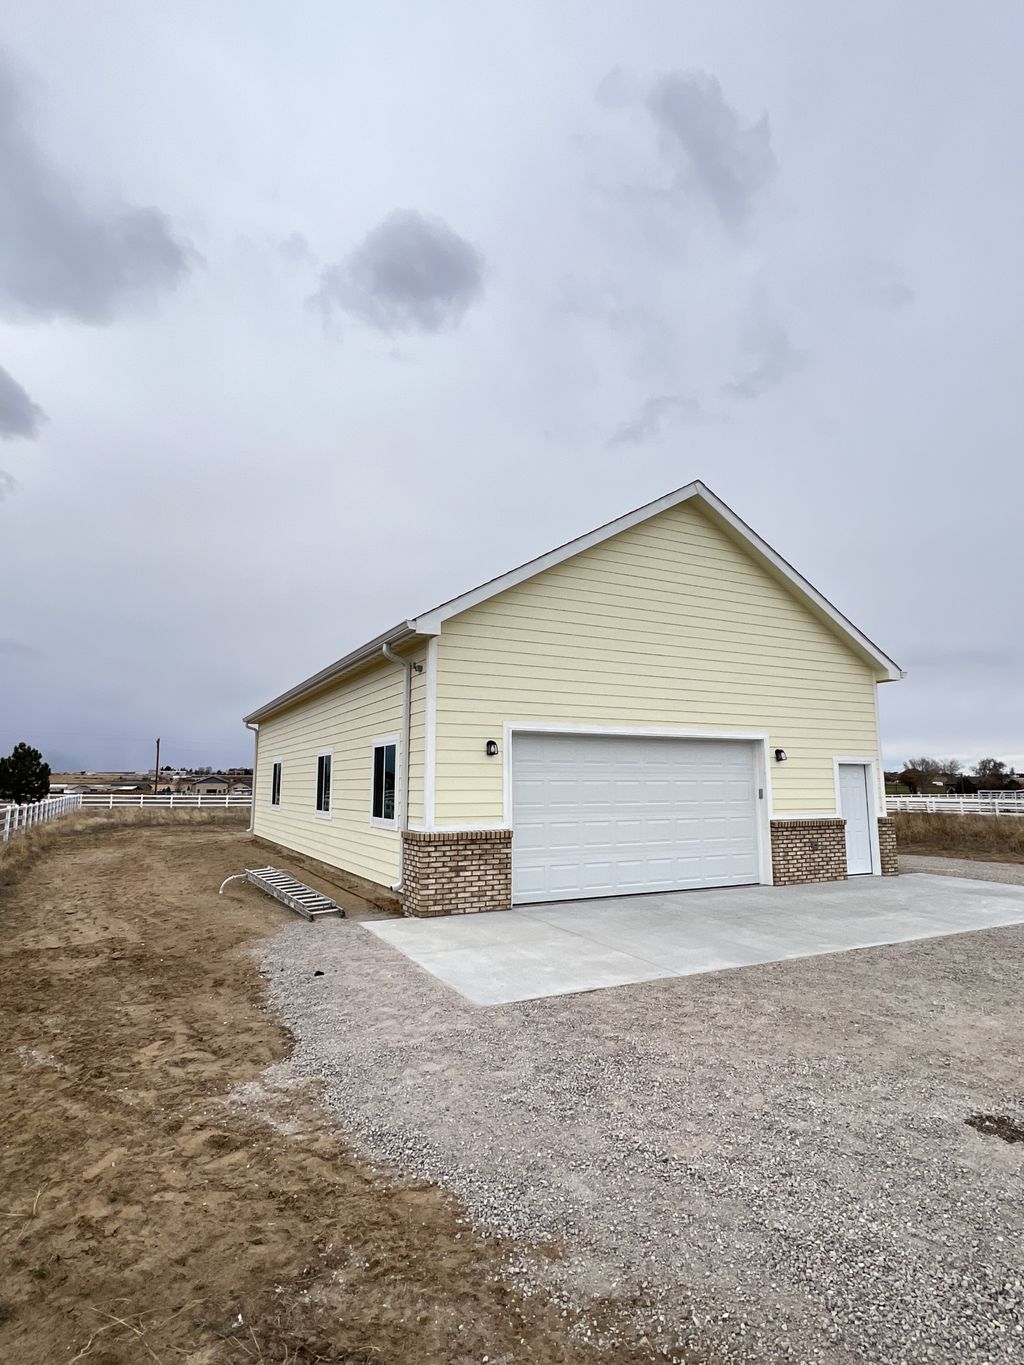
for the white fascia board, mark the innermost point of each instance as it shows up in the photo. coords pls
(431, 622)
(891, 669)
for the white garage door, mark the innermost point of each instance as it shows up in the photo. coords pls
(604, 815)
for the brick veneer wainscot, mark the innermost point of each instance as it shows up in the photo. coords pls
(887, 846)
(808, 851)
(456, 872)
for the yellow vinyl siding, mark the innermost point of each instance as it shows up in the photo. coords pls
(345, 719)
(417, 740)
(671, 624)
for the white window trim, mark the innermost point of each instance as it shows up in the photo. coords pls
(275, 805)
(762, 768)
(871, 763)
(329, 813)
(378, 742)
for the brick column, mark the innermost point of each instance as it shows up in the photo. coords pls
(887, 846)
(808, 851)
(456, 872)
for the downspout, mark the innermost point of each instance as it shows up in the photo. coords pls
(255, 761)
(408, 668)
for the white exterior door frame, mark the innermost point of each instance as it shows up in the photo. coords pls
(762, 769)
(871, 785)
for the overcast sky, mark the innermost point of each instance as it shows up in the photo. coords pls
(312, 315)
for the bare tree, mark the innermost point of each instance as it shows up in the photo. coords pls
(990, 772)
(926, 767)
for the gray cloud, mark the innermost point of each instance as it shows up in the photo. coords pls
(19, 416)
(410, 274)
(652, 418)
(297, 249)
(714, 152)
(17, 647)
(882, 283)
(59, 255)
(8, 483)
(773, 358)
(180, 423)
(1004, 658)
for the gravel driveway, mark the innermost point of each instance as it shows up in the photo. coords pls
(1011, 873)
(773, 1159)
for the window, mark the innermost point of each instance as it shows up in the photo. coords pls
(275, 784)
(323, 784)
(385, 756)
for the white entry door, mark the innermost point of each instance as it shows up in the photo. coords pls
(855, 808)
(607, 815)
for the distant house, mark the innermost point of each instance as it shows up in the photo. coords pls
(209, 786)
(962, 785)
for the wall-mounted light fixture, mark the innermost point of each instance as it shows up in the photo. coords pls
(780, 755)
(491, 748)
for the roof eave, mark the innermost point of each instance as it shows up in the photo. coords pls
(431, 622)
(334, 672)
(888, 668)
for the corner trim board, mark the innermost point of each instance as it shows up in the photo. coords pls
(430, 734)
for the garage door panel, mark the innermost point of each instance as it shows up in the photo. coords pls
(598, 876)
(598, 834)
(607, 815)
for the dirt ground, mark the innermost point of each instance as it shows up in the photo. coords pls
(143, 1216)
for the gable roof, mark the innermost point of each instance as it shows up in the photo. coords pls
(429, 623)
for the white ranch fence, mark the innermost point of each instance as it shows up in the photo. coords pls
(167, 800)
(978, 803)
(15, 818)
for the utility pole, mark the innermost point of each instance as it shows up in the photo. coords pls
(156, 770)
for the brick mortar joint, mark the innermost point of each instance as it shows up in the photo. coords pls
(825, 821)
(455, 837)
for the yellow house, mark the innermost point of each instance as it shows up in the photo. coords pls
(661, 704)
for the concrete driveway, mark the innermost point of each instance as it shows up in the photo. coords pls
(560, 949)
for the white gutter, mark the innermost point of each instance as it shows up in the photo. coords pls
(255, 761)
(408, 667)
(334, 672)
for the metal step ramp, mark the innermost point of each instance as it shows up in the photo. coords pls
(296, 895)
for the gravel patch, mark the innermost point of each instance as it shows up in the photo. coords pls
(776, 1159)
(1012, 873)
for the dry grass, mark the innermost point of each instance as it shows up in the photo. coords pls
(25, 847)
(962, 836)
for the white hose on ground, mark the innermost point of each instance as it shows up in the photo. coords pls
(237, 877)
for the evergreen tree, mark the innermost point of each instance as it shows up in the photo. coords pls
(23, 775)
